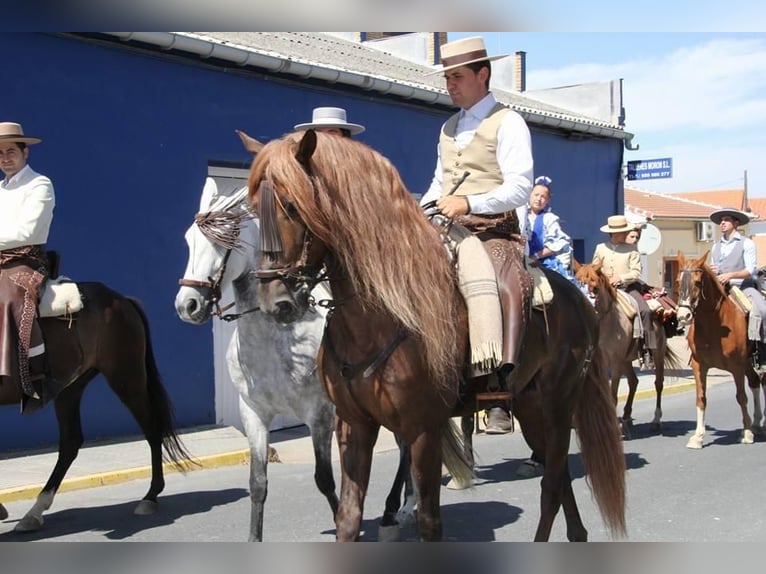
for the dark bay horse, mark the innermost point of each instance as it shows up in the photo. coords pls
(110, 335)
(395, 344)
(621, 348)
(717, 338)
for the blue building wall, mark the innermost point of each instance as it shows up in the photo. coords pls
(127, 139)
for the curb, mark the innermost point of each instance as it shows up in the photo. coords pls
(239, 457)
(16, 493)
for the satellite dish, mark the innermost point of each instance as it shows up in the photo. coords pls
(650, 239)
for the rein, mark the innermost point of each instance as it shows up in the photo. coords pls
(271, 245)
(222, 228)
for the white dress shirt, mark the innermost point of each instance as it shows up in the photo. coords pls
(514, 156)
(26, 209)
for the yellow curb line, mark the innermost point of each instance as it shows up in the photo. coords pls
(14, 494)
(242, 457)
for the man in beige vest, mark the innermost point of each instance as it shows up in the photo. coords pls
(492, 144)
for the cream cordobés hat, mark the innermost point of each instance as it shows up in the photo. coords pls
(13, 132)
(463, 52)
(617, 224)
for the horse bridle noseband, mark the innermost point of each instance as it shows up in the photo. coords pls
(222, 228)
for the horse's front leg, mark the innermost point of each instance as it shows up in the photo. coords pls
(627, 412)
(700, 380)
(426, 453)
(67, 407)
(256, 431)
(355, 446)
(658, 355)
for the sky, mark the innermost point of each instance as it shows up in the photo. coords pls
(697, 98)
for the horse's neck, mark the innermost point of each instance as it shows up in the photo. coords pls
(606, 301)
(712, 298)
(352, 321)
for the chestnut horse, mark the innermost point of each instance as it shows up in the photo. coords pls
(396, 342)
(717, 338)
(621, 348)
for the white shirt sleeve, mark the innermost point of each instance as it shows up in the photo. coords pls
(514, 156)
(33, 216)
(749, 255)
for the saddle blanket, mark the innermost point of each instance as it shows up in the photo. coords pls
(61, 297)
(542, 293)
(627, 303)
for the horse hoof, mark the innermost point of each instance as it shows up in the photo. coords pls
(3, 512)
(405, 517)
(528, 469)
(29, 524)
(456, 485)
(145, 507)
(694, 442)
(388, 533)
(747, 437)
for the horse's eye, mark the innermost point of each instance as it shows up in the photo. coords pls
(291, 210)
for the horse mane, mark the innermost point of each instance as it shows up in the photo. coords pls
(707, 270)
(588, 273)
(355, 202)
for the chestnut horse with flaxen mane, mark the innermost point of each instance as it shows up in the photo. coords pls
(395, 347)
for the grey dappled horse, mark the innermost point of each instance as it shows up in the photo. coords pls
(272, 366)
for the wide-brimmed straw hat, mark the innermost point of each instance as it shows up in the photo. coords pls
(617, 224)
(740, 216)
(13, 132)
(330, 118)
(463, 52)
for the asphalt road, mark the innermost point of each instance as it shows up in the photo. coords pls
(674, 494)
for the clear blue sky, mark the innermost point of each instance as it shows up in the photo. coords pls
(699, 98)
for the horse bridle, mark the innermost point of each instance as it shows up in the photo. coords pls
(685, 289)
(222, 228)
(302, 272)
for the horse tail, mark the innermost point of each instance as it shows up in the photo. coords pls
(601, 445)
(457, 455)
(672, 360)
(160, 406)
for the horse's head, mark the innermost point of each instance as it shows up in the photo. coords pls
(691, 276)
(216, 240)
(292, 257)
(589, 275)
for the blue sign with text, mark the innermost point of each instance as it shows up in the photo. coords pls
(650, 168)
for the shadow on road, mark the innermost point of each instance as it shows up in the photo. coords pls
(103, 519)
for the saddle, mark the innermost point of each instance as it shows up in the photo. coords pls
(60, 298)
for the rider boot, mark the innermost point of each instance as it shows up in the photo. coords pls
(510, 287)
(46, 388)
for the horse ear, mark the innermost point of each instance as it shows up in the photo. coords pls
(251, 144)
(701, 261)
(598, 265)
(576, 265)
(306, 149)
(681, 260)
(209, 194)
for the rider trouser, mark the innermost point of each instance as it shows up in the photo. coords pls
(650, 337)
(500, 236)
(22, 274)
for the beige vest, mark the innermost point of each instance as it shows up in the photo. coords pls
(479, 158)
